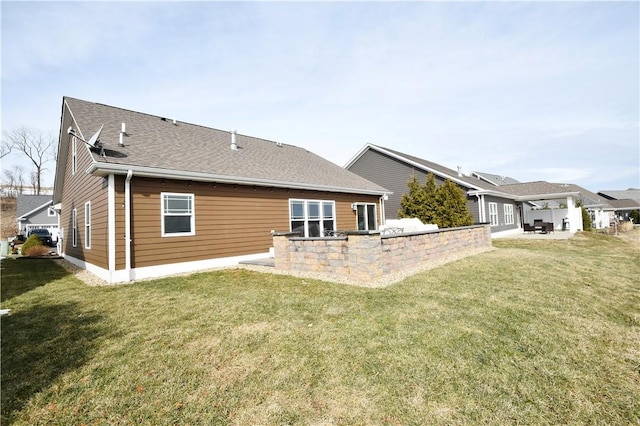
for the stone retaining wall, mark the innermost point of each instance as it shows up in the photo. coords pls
(368, 256)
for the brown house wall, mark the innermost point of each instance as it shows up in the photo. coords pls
(78, 189)
(230, 220)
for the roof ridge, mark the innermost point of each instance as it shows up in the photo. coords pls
(165, 118)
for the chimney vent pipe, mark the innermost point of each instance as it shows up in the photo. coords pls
(234, 145)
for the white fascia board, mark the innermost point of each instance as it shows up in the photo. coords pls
(421, 166)
(103, 169)
(536, 197)
(358, 155)
(494, 193)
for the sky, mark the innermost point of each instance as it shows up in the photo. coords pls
(534, 91)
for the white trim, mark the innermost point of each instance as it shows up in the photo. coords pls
(87, 225)
(494, 212)
(191, 214)
(306, 219)
(509, 216)
(74, 155)
(111, 221)
(366, 216)
(100, 169)
(74, 227)
(149, 272)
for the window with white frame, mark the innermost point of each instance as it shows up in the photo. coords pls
(74, 152)
(87, 225)
(74, 227)
(366, 216)
(493, 214)
(178, 216)
(312, 218)
(508, 214)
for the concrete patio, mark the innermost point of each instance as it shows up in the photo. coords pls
(520, 234)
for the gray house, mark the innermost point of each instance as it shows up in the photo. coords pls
(36, 211)
(392, 169)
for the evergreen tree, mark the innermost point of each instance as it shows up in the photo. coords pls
(412, 202)
(445, 206)
(452, 206)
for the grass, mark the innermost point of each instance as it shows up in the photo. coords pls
(534, 332)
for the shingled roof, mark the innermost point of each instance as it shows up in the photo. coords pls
(157, 146)
(545, 190)
(26, 204)
(630, 194)
(494, 179)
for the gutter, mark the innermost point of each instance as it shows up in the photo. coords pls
(127, 224)
(103, 169)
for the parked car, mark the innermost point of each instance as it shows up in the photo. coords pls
(44, 235)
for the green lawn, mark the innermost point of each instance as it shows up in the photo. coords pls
(534, 332)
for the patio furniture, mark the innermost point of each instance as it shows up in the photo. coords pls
(547, 227)
(529, 228)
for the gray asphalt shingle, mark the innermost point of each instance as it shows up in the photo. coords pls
(155, 142)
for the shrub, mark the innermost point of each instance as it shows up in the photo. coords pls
(32, 241)
(38, 250)
(586, 219)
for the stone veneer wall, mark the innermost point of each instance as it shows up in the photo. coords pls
(369, 256)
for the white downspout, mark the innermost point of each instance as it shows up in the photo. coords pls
(481, 212)
(383, 216)
(127, 224)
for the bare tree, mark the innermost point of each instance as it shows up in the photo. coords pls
(36, 146)
(14, 179)
(5, 148)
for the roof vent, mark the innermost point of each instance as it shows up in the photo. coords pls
(234, 145)
(123, 133)
(459, 171)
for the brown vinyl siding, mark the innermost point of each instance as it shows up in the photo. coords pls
(78, 189)
(230, 220)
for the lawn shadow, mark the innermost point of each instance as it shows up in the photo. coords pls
(20, 276)
(38, 346)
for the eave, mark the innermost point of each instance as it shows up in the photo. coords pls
(105, 169)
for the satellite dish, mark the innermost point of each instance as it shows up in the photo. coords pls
(94, 142)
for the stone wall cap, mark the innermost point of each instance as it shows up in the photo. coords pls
(284, 234)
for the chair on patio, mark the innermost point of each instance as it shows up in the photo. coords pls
(547, 227)
(529, 228)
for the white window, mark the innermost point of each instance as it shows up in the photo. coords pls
(366, 217)
(178, 216)
(508, 214)
(74, 143)
(87, 225)
(74, 227)
(493, 214)
(312, 218)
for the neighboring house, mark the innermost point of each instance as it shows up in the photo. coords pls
(36, 211)
(393, 170)
(624, 202)
(148, 196)
(496, 180)
(560, 203)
